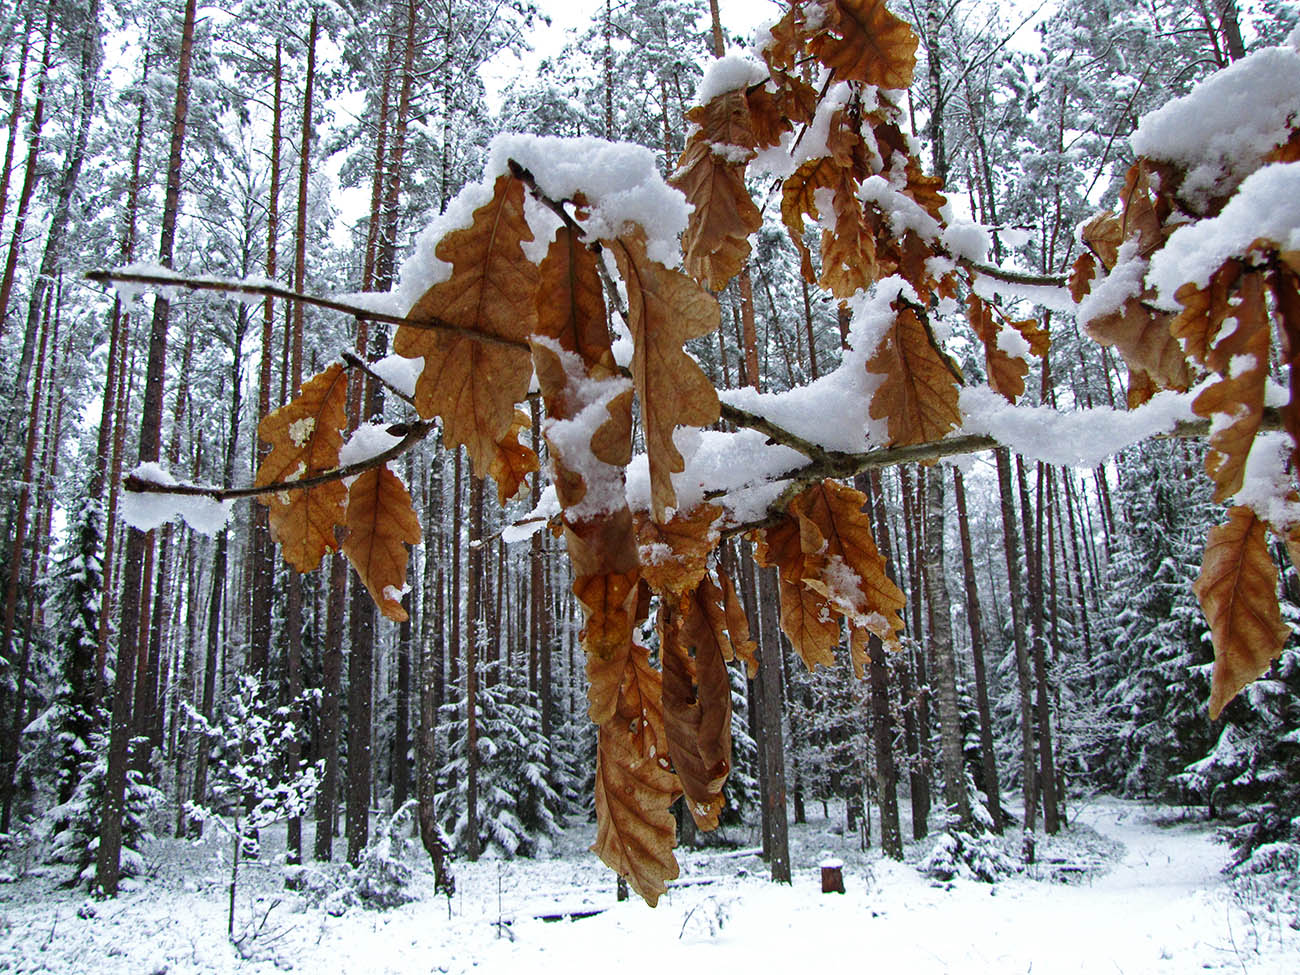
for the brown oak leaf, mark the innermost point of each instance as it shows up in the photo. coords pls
(635, 831)
(1237, 398)
(674, 555)
(716, 241)
(742, 644)
(863, 41)
(1143, 339)
(474, 384)
(851, 571)
(1204, 310)
(1081, 277)
(919, 393)
(1006, 372)
(665, 309)
(305, 437)
(697, 702)
(514, 460)
(798, 197)
(381, 522)
(1103, 234)
(1237, 589)
(1284, 282)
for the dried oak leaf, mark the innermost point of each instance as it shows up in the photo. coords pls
(862, 41)
(852, 575)
(635, 832)
(738, 627)
(665, 309)
(767, 114)
(1284, 282)
(1237, 398)
(848, 254)
(381, 522)
(1204, 310)
(1140, 218)
(798, 197)
(514, 460)
(473, 384)
(697, 702)
(809, 623)
(788, 38)
(1006, 372)
(1103, 234)
(806, 615)
(919, 393)
(305, 437)
(1141, 387)
(711, 173)
(609, 602)
(1143, 339)
(1237, 589)
(1081, 277)
(571, 306)
(675, 554)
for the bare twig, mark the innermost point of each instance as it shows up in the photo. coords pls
(354, 361)
(267, 290)
(411, 434)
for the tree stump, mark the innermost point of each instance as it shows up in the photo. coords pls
(832, 876)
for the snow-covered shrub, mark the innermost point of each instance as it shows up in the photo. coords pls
(382, 877)
(959, 854)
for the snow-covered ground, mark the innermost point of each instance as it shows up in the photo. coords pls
(1145, 895)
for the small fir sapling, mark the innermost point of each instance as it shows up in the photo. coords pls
(251, 788)
(519, 807)
(73, 826)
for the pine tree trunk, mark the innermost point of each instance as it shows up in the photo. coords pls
(914, 726)
(988, 756)
(1046, 762)
(1011, 544)
(35, 130)
(116, 395)
(330, 716)
(263, 549)
(61, 210)
(945, 658)
(769, 674)
(473, 599)
(110, 840)
(14, 709)
(15, 114)
(883, 728)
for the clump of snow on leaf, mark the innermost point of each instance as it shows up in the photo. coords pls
(728, 74)
(620, 182)
(146, 510)
(1266, 207)
(1222, 129)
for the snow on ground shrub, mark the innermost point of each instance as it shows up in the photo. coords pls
(382, 877)
(959, 854)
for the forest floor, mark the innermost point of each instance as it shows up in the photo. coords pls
(1128, 888)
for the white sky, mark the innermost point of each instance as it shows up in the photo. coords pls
(738, 17)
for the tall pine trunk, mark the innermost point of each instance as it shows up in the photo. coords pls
(110, 838)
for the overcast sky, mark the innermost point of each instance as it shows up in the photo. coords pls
(738, 16)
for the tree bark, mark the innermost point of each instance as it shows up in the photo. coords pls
(473, 598)
(1011, 544)
(110, 839)
(945, 659)
(769, 674)
(988, 756)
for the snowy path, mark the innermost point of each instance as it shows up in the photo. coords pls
(1162, 907)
